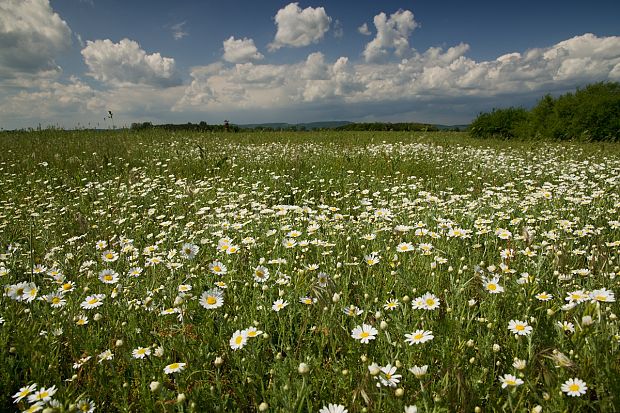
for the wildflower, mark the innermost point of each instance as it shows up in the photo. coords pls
(101, 245)
(333, 408)
(261, 274)
(419, 336)
(303, 368)
(168, 311)
(374, 369)
(307, 300)
(510, 380)
(364, 333)
(519, 327)
(108, 276)
(566, 326)
(81, 320)
(279, 305)
(109, 256)
(411, 409)
(67, 287)
(42, 395)
(135, 271)
(56, 300)
(85, 406)
(37, 407)
(544, 296)
(92, 301)
(141, 352)
(189, 251)
(212, 298)
(24, 392)
(603, 295)
(352, 311)
(576, 297)
(503, 233)
(371, 259)
(238, 340)
(388, 378)
(174, 368)
(322, 279)
(430, 301)
(39, 269)
(419, 371)
(252, 332)
(404, 247)
(217, 268)
(391, 304)
(492, 286)
(106, 355)
(574, 387)
(519, 364)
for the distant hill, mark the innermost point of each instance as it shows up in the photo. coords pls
(297, 126)
(338, 125)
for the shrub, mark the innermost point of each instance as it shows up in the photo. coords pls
(499, 123)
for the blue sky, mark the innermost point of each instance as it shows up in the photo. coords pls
(68, 62)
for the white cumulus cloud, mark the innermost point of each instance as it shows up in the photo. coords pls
(297, 27)
(363, 29)
(425, 80)
(240, 50)
(126, 63)
(392, 33)
(31, 36)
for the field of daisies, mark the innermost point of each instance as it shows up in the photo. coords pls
(307, 272)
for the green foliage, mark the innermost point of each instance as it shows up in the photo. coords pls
(500, 123)
(590, 114)
(146, 193)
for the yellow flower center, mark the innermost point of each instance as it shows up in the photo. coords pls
(418, 336)
(364, 334)
(173, 366)
(211, 300)
(109, 256)
(217, 268)
(430, 302)
(519, 327)
(492, 287)
(573, 387)
(238, 340)
(107, 277)
(92, 301)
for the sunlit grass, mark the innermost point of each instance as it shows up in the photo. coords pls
(290, 271)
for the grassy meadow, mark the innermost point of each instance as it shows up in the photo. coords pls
(307, 272)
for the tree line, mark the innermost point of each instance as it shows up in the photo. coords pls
(591, 113)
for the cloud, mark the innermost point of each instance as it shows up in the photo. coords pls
(298, 28)
(338, 31)
(426, 79)
(363, 29)
(126, 63)
(75, 103)
(240, 50)
(177, 31)
(31, 36)
(392, 33)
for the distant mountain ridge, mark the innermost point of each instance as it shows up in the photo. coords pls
(334, 125)
(309, 125)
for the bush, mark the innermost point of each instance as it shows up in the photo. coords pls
(591, 113)
(499, 123)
